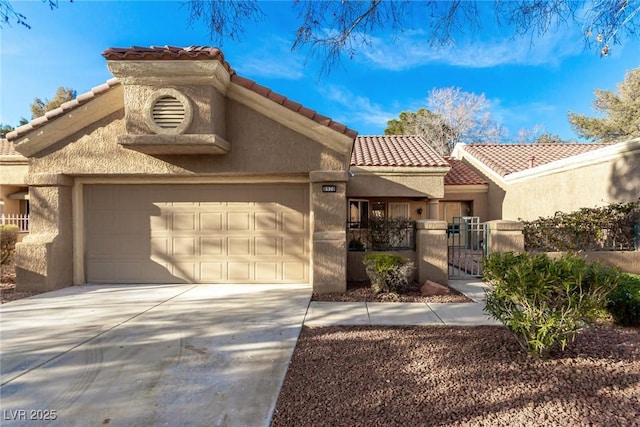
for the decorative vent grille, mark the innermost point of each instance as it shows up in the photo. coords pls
(168, 112)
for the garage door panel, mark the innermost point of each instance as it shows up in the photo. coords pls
(197, 233)
(212, 246)
(267, 221)
(239, 246)
(184, 221)
(294, 221)
(294, 271)
(239, 271)
(266, 271)
(183, 246)
(211, 221)
(160, 247)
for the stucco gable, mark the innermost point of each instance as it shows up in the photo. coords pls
(206, 66)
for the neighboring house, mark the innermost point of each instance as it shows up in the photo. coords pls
(527, 181)
(14, 194)
(402, 176)
(179, 170)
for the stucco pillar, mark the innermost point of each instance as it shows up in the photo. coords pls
(44, 259)
(505, 236)
(431, 251)
(434, 209)
(329, 213)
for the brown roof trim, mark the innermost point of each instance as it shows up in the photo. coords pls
(63, 109)
(206, 53)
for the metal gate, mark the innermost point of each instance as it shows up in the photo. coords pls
(467, 246)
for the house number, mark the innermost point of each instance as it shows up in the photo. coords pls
(329, 188)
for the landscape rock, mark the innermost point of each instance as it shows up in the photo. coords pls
(432, 288)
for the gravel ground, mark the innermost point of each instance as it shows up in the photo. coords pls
(8, 291)
(361, 292)
(459, 376)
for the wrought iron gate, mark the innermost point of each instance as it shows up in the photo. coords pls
(467, 246)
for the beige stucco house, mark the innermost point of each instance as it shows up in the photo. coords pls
(178, 170)
(527, 181)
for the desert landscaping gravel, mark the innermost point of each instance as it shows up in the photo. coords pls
(459, 376)
(362, 292)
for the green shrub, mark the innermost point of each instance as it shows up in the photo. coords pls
(388, 273)
(607, 227)
(623, 303)
(8, 239)
(546, 302)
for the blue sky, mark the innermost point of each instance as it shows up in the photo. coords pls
(526, 84)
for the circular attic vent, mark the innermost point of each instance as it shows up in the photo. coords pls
(168, 112)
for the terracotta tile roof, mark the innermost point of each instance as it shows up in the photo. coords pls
(156, 53)
(462, 174)
(63, 109)
(172, 53)
(395, 150)
(505, 159)
(7, 149)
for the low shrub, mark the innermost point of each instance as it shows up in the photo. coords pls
(8, 239)
(623, 303)
(388, 273)
(546, 302)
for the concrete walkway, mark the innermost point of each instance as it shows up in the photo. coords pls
(322, 313)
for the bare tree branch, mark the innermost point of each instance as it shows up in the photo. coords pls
(226, 19)
(8, 14)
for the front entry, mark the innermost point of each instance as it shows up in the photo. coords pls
(467, 246)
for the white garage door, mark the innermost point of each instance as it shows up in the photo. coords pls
(197, 233)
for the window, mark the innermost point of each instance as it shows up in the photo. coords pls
(378, 210)
(358, 213)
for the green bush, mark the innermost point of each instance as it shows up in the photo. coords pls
(608, 227)
(623, 303)
(546, 302)
(388, 273)
(8, 239)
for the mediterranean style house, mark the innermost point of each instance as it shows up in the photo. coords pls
(178, 170)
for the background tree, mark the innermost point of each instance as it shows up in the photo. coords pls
(422, 122)
(453, 116)
(331, 28)
(8, 14)
(6, 128)
(39, 107)
(621, 112)
(467, 115)
(548, 138)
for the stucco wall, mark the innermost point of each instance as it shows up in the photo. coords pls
(380, 184)
(480, 201)
(589, 186)
(258, 146)
(13, 169)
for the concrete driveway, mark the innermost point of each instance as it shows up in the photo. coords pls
(213, 355)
